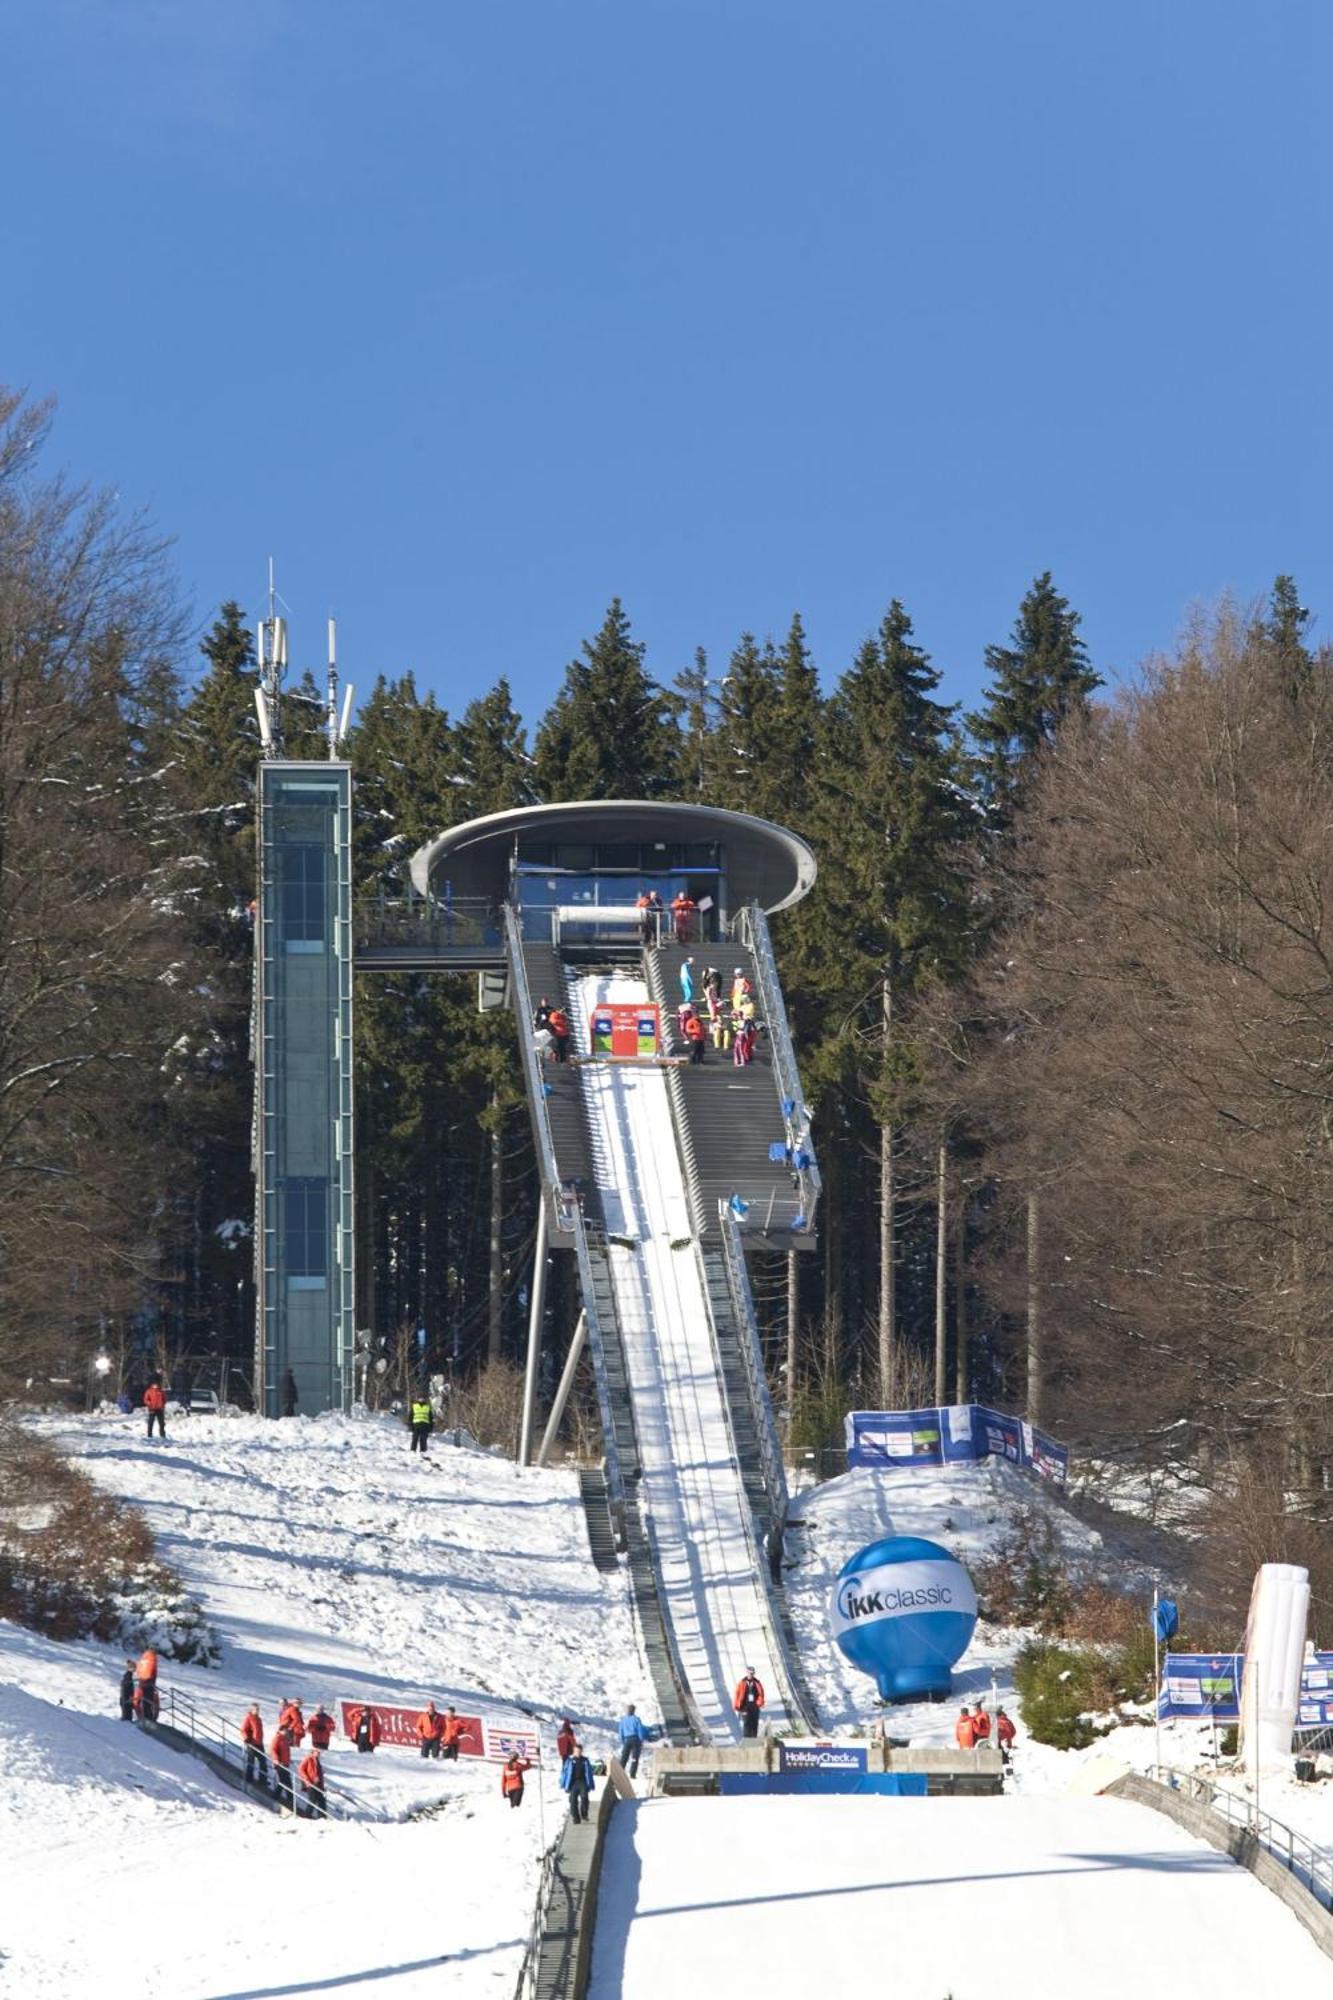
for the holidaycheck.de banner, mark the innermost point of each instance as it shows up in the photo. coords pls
(901, 1590)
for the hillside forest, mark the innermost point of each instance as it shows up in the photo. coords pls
(1063, 999)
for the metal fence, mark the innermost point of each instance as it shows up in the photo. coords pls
(208, 1730)
(431, 926)
(1312, 1866)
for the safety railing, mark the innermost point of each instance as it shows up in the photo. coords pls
(750, 926)
(615, 1476)
(756, 1375)
(209, 1730)
(1311, 1865)
(414, 923)
(566, 1208)
(529, 1971)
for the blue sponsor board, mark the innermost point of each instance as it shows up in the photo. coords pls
(850, 1757)
(952, 1434)
(1316, 1703)
(890, 1784)
(1201, 1687)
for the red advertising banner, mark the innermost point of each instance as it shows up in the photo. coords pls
(625, 1028)
(479, 1738)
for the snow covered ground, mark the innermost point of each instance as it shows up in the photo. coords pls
(333, 1564)
(981, 1899)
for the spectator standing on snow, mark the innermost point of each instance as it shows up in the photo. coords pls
(1004, 1734)
(511, 1778)
(564, 1740)
(423, 1422)
(291, 1719)
(451, 1732)
(749, 1701)
(963, 1731)
(430, 1730)
(280, 1750)
(127, 1693)
(145, 1686)
(576, 1779)
(155, 1402)
(252, 1735)
(629, 1729)
(364, 1725)
(311, 1775)
(980, 1726)
(320, 1728)
(290, 1399)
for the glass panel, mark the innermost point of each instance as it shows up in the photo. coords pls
(307, 1228)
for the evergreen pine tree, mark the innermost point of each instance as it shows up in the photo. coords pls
(1284, 629)
(609, 734)
(1041, 677)
(746, 759)
(494, 770)
(697, 707)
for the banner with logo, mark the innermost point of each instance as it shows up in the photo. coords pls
(625, 1029)
(1201, 1687)
(1316, 1703)
(491, 1741)
(821, 1756)
(955, 1434)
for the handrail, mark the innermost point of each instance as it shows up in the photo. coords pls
(565, 1207)
(615, 1477)
(190, 1719)
(1299, 1855)
(529, 1971)
(777, 1643)
(756, 1375)
(751, 925)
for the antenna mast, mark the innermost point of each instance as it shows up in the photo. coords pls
(272, 655)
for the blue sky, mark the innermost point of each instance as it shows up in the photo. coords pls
(474, 316)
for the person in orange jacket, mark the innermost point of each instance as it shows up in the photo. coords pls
(311, 1775)
(320, 1728)
(557, 1027)
(155, 1402)
(280, 1750)
(430, 1729)
(980, 1726)
(696, 1035)
(511, 1778)
(290, 1717)
(365, 1729)
(1004, 1733)
(252, 1735)
(451, 1734)
(963, 1730)
(145, 1686)
(748, 1702)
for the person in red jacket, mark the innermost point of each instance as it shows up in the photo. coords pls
(311, 1775)
(252, 1735)
(430, 1730)
(683, 911)
(696, 1035)
(145, 1686)
(290, 1717)
(451, 1734)
(564, 1741)
(280, 1750)
(1004, 1733)
(557, 1027)
(511, 1778)
(155, 1402)
(963, 1731)
(364, 1725)
(320, 1728)
(748, 1702)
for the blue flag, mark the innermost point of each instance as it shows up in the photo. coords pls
(1165, 1619)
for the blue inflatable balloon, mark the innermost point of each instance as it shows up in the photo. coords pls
(904, 1611)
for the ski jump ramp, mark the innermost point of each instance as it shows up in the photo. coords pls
(691, 1492)
(923, 1899)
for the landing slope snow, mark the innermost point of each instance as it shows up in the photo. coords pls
(333, 1564)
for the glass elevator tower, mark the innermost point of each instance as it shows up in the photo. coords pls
(304, 1268)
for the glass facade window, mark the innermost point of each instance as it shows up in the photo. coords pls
(303, 893)
(306, 1219)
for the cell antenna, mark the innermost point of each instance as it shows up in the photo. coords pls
(272, 658)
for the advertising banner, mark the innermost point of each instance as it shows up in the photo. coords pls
(887, 1437)
(625, 1029)
(1201, 1687)
(1049, 1459)
(956, 1434)
(479, 1738)
(1316, 1704)
(1003, 1435)
(821, 1757)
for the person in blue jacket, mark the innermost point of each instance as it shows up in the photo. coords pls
(576, 1779)
(630, 1731)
